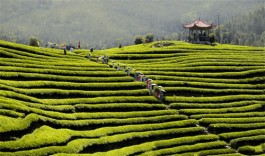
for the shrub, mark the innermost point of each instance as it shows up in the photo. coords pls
(246, 150)
(139, 39)
(33, 41)
(149, 38)
(212, 38)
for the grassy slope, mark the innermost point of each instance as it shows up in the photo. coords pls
(221, 86)
(56, 104)
(52, 103)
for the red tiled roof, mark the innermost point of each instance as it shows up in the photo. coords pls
(199, 24)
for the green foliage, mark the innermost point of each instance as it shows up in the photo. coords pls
(245, 29)
(139, 39)
(233, 135)
(131, 17)
(149, 38)
(229, 115)
(247, 150)
(120, 106)
(228, 127)
(232, 120)
(253, 150)
(133, 131)
(212, 38)
(254, 107)
(247, 141)
(91, 105)
(33, 41)
(187, 148)
(217, 152)
(220, 86)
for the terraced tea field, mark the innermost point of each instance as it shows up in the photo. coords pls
(55, 104)
(222, 87)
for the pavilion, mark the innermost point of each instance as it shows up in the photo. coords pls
(199, 31)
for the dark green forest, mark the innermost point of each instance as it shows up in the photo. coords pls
(108, 23)
(248, 29)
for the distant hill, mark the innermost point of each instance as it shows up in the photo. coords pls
(247, 29)
(107, 23)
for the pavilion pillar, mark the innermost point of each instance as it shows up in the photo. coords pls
(208, 35)
(189, 35)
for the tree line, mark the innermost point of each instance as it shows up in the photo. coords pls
(100, 24)
(248, 29)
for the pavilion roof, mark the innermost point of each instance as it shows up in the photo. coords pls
(199, 24)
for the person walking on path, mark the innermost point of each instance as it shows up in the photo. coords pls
(89, 56)
(148, 83)
(64, 49)
(139, 77)
(124, 68)
(103, 60)
(118, 67)
(161, 98)
(79, 45)
(129, 71)
(135, 74)
(106, 59)
(72, 49)
(143, 78)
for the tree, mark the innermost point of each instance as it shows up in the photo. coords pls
(262, 39)
(149, 38)
(212, 38)
(139, 39)
(33, 41)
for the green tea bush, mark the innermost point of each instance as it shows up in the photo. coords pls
(235, 143)
(234, 135)
(187, 148)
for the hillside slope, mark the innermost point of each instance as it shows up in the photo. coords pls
(222, 87)
(55, 104)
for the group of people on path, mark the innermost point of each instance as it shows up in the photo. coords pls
(155, 90)
(64, 47)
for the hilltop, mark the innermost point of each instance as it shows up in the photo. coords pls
(55, 104)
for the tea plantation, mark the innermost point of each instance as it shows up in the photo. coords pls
(55, 104)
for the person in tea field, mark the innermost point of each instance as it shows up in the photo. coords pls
(143, 78)
(148, 83)
(134, 74)
(158, 91)
(161, 98)
(124, 68)
(64, 49)
(129, 71)
(153, 89)
(106, 59)
(118, 67)
(72, 49)
(79, 45)
(139, 77)
(89, 56)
